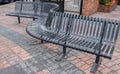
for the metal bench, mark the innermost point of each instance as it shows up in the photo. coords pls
(32, 9)
(96, 36)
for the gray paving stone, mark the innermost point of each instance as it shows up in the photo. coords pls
(28, 71)
(22, 65)
(33, 64)
(48, 55)
(34, 69)
(34, 51)
(45, 57)
(53, 67)
(28, 63)
(52, 62)
(69, 55)
(38, 57)
(72, 69)
(59, 50)
(56, 70)
(32, 60)
(39, 65)
(68, 66)
(79, 72)
(64, 63)
(63, 72)
(12, 70)
(53, 53)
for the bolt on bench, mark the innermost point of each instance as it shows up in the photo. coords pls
(93, 35)
(32, 9)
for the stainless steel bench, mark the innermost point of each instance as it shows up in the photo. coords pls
(32, 9)
(96, 36)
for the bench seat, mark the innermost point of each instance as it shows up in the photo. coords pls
(32, 29)
(90, 46)
(54, 38)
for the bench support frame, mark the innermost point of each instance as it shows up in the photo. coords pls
(96, 64)
(61, 56)
(19, 19)
(42, 41)
(34, 19)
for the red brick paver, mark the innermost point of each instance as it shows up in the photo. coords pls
(3, 63)
(15, 53)
(106, 67)
(45, 71)
(51, 46)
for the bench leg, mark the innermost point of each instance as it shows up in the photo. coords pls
(62, 55)
(18, 19)
(96, 64)
(33, 19)
(37, 43)
(42, 41)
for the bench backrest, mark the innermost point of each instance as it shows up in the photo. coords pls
(111, 31)
(90, 28)
(95, 29)
(25, 7)
(35, 8)
(28, 8)
(58, 22)
(46, 7)
(87, 27)
(18, 6)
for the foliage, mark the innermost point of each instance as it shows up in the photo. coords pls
(105, 1)
(51, 0)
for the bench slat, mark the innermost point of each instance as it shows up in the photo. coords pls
(111, 51)
(18, 6)
(64, 22)
(111, 32)
(28, 8)
(117, 31)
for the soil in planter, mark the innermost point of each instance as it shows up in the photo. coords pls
(108, 7)
(118, 2)
(2, 3)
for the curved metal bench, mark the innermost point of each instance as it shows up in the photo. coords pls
(88, 34)
(32, 9)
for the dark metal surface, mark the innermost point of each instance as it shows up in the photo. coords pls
(32, 9)
(89, 34)
(118, 2)
(6, 1)
(81, 6)
(59, 2)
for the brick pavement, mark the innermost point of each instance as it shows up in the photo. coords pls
(22, 54)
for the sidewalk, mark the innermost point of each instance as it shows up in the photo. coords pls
(22, 54)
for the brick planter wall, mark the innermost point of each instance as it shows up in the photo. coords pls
(90, 7)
